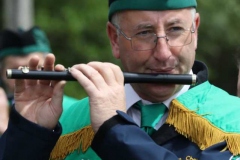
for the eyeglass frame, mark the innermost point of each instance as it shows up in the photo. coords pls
(191, 29)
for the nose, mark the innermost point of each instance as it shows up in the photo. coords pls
(165, 37)
(162, 51)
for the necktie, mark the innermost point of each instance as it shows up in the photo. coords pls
(150, 115)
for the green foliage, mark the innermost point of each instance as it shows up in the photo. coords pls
(219, 41)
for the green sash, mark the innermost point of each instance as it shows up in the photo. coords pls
(207, 115)
(77, 134)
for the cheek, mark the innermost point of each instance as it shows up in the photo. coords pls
(131, 59)
(190, 58)
(126, 54)
(186, 57)
(127, 60)
(134, 61)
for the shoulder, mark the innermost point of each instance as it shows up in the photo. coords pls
(207, 115)
(208, 95)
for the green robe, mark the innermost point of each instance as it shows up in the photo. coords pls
(67, 102)
(205, 114)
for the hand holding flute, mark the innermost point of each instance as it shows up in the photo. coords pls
(40, 101)
(103, 83)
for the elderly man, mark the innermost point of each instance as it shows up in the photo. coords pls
(137, 121)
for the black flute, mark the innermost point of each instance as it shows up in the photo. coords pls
(25, 73)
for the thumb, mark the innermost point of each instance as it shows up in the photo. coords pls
(57, 97)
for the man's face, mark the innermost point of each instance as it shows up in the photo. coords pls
(161, 59)
(13, 62)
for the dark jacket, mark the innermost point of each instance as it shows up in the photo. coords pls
(24, 140)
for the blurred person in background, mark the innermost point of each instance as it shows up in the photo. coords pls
(16, 49)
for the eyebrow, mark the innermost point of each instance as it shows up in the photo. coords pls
(168, 22)
(174, 21)
(143, 26)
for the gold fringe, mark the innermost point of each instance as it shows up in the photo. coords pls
(68, 143)
(199, 130)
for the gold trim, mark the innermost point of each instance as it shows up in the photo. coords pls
(199, 130)
(68, 143)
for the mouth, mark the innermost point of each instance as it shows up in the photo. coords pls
(162, 71)
(166, 67)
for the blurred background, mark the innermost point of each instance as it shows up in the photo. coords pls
(77, 33)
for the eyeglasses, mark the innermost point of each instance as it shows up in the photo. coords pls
(147, 40)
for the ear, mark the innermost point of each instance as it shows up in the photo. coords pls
(197, 24)
(113, 37)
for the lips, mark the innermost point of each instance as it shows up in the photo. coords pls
(163, 71)
(167, 66)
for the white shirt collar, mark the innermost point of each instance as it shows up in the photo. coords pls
(132, 97)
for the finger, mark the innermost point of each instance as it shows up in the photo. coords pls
(57, 98)
(111, 73)
(48, 66)
(92, 75)
(19, 85)
(117, 73)
(89, 78)
(33, 65)
(57, 68)
(105, 71)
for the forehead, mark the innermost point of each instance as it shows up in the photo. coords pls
(133, 17)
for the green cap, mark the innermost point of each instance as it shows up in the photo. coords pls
(150, 5)
(35, 40)
(10, 43)
(22, 43)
